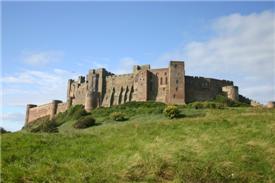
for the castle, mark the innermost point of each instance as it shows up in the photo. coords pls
(103, 88)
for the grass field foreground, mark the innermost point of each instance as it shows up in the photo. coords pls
(207, 145)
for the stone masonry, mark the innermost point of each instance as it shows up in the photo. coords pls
(168, 85)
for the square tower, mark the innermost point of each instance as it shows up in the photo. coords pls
(176, 88)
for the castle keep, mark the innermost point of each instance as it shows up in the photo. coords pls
(103, 88)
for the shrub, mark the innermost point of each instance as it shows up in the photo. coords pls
(2, 130)
(118, 116)
(206, 105)
(228, 102)
(197, 105)
(45, 125)
(213, 105)
(84, 122)
(221, 99)
(73, 113)
(77, 112)
(171, 111)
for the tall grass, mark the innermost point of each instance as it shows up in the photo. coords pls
(208, 145)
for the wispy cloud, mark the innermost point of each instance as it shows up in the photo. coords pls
(125, 65)
(242, 48)
(13, 116)
(42, 58)
(33, 86)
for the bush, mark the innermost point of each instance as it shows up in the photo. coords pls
(171, 111)
(2, 130)
(118, 116)
(221, 99)
(73, 113)
(197, 105)
(84, 122)
(44, 125)
(228, 102)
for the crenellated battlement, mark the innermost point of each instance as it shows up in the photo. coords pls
(120, 76)
(212, 79)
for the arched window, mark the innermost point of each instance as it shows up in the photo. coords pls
(166, 80)
(161, 80)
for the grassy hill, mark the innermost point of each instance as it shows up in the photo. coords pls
(233, 144)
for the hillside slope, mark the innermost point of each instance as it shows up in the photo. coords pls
(207, 145)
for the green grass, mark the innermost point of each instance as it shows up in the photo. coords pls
(207, 145)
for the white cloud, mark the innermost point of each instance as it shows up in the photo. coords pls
(243, 49)
(124, 66)
(95, 62)
(32, 86)
(12, 121)
(13, 116)
(42, 58)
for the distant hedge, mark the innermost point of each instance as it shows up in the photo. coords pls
(130, 109)
(206, 105)
(2, 130)
(219, 102)
(228, 102)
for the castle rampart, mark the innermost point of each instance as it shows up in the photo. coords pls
(201, 89)
(102, 88)
(119, 89)
(34, 112)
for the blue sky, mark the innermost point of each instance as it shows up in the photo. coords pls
(46, 43)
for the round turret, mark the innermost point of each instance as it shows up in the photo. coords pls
(89, 101)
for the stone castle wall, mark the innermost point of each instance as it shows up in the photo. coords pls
(158, 85)
(141, 86)
(167, 85)
(34, 112)
(39, 111)
(201, 89)
(232, 92)
(61, 107)
(119, 89)
(78, 92)
(176, 83)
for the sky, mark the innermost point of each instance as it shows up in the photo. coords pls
(43, 44)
